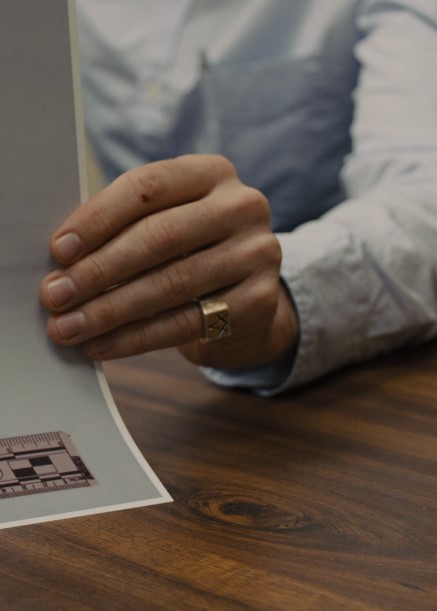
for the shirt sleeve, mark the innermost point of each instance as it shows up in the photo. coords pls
(364, 276)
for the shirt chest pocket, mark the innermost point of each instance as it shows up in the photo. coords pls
(267, 118)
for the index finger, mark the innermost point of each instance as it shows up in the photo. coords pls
(135, 194)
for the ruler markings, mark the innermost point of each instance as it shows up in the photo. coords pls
(44, 462)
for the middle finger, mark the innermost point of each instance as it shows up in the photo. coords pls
(150, 242)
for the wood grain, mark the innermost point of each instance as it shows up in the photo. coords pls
(324, 498)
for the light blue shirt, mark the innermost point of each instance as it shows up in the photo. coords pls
(327, 106)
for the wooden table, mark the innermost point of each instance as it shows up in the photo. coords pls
(324, 499)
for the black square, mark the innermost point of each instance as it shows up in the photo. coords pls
(20, 473)
(40, 461)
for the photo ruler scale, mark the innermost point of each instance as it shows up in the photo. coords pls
(34, 464)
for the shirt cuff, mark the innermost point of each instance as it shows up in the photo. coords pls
(265, 381)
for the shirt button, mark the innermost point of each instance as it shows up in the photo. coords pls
(154, 91)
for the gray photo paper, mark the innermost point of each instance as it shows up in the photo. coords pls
(64, 450)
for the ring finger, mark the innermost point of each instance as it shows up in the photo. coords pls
(184, 326)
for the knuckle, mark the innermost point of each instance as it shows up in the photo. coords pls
(259, 204)
(105, 313)
(188, 326)
(143, 182)
(94, 272)
(265, 293)
(266, 251)
(140, 337)
(222, 166)
(275, 252)
(98, 221)
(176, 283)
(160, 235)
(252, 205)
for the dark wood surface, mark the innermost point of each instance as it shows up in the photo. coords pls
(324, 499)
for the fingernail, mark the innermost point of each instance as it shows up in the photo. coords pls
(61, 290)
(68, 246)
(70, 324)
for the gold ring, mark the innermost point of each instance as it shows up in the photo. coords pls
(216, 320)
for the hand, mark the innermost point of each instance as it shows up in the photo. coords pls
(137, 256)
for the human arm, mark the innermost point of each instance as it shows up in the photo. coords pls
(368, 283)
(363, 276)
